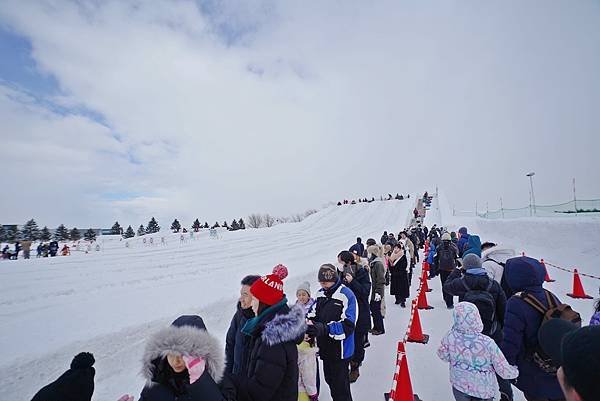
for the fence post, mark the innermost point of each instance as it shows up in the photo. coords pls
(574, 197)
(501, 207)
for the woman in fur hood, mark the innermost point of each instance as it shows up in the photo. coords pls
(183, 362)
(272, 372)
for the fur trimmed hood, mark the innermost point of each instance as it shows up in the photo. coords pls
(185, 340)
(286, 327)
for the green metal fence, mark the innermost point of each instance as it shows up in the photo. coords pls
(571, 208)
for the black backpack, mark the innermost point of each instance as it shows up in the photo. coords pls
(446, 258)
(485, 303)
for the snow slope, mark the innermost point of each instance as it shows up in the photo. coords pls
(108, 302)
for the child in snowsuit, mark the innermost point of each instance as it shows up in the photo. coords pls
(474, 358)
(307, 352)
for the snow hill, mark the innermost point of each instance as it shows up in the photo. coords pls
(109, 302)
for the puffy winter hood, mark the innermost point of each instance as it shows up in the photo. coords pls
(285, 327)
(498, 253)
(467, 318)
(184, 340)
(524, 273)
(473, 246)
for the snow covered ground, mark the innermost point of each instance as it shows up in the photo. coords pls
(109, 302)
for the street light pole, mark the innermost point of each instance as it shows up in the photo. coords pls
(530, 175)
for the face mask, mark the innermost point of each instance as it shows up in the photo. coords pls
(340, 266)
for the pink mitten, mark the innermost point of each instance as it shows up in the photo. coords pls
(195, 367)
(126, 397)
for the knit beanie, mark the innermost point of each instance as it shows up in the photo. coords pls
(328, 274)
(305, 286)
(75, 384)
(281, 271)
(269, 289)
(471, 261)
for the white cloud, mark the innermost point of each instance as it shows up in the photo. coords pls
(280, 106)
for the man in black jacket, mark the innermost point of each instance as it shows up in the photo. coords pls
(475, 279)
(236, 343)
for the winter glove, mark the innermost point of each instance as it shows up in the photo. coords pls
(195, 367)
(377, 297)
(313, 397)
(126, 397)
(316, 329)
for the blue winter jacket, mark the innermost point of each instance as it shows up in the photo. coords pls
(462, 241)
(521, 325)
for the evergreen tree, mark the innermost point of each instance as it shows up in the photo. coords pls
(141, 230)
(90, 235)
(196, 226)
(116, 229)
(75, 234)
(206, 225)
(12, 234)
(176, 226)
(241, 223)
(129, 233)
(225, 225)
(234, 225)
(216, 225)
(153, 226)
(2, 233)
(30, 231)
(45, 234)
(61, 233)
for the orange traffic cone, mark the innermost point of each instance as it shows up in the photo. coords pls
(547, 278)
(422, 301)
(415, 334)
(424, 285)
(578, 291)
(425, 266)
(401, 387)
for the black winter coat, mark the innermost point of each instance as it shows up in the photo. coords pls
(76, 384)
(273, 361)
(399, 278)
(361, 287)
(236, 343)
(165, 385)
(454, 286)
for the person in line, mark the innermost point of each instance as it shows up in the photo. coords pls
(236, 343)
(525, 276)
(377, 269)
(399, 287)
(76, 384)
(463, 237)
(476, 287)
(595, 320)
(332, 321)
(183, 362)
(474, 358)
(274, 333)
(357, 278)
(576, 352)
(358, 248)
(307, 352)
(494, 259)
(445, 265)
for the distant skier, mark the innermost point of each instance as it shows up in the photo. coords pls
(53, 248)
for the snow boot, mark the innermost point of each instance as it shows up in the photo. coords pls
(354, 372)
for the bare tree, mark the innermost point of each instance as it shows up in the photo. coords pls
(255, 220)
(309, 212)
(297, 218)
(269, 220)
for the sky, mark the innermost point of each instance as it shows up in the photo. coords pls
(124, 110)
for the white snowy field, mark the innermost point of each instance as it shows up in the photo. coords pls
(108, 302)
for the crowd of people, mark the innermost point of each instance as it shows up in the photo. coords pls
(43, 249)
(366, 200)
(507, 331)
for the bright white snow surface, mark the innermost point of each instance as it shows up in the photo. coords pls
(108, 302)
